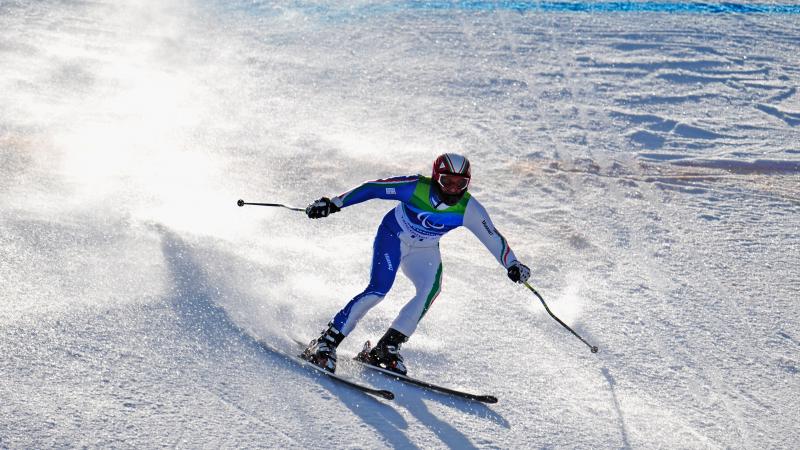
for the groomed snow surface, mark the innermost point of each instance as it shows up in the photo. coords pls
(644, 163)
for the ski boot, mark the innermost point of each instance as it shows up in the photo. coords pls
(322, 350)
(386, 353)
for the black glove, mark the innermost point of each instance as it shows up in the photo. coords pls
(518, 272)
(321, 208)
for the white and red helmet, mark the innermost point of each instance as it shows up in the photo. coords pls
(451, 173)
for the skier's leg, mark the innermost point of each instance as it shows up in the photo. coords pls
(423, 266)
(385, 262)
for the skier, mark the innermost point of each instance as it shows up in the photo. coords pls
(408, 238)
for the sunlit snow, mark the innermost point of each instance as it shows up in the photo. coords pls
(643, 158)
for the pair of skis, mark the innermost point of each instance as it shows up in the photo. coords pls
(381, 393)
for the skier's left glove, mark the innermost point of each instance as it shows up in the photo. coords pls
(322, 208)
(518, 272)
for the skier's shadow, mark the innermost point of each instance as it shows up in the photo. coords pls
(375, 413)
(381, 417)
(411, 398)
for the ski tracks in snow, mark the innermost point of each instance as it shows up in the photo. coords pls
(717, 339)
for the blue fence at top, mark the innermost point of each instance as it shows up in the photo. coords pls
(342, 11)
(607, 7)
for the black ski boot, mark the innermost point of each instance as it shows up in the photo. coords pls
(322, 350)
(386, 354)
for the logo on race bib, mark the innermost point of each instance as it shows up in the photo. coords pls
(425, 219)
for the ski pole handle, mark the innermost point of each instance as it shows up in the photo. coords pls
(242, 203)
(593, 348)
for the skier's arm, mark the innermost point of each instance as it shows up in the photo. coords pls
(477, 220)
(398, 188)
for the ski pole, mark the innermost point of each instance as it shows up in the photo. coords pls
(242, 203)
(592, 347)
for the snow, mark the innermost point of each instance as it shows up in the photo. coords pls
(643, 160)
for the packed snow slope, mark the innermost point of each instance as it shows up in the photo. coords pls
(644, 161)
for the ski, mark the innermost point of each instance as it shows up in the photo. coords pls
(388, 395)
(430, 386)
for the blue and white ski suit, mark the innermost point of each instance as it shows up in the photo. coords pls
(408, 238)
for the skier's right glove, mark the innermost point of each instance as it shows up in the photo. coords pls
(518, 272)
(321, 208)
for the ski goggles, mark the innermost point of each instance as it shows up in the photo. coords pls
(453, 184)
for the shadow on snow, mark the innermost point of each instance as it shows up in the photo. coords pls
(195, 300)
(611, 386)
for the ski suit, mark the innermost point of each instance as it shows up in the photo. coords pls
(408, 238)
